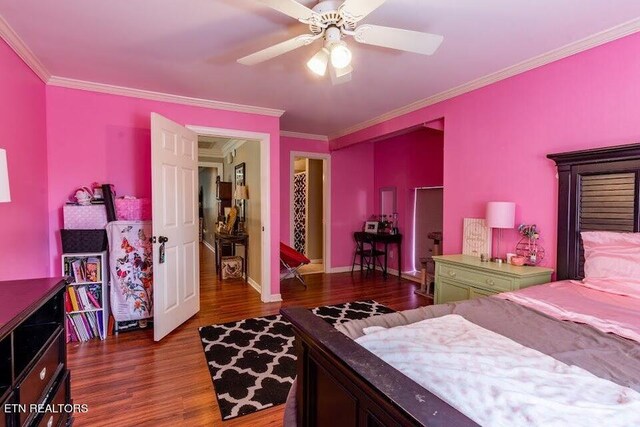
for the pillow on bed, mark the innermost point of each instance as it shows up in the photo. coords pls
(611, 254)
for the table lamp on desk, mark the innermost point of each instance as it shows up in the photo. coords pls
(500, 215)
(242, 195)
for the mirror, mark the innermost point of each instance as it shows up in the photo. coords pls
(388, 201)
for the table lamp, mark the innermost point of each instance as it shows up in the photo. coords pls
(5, 194)
(500, 215)
(242, 193)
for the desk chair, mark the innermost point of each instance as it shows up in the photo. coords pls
(366, 250)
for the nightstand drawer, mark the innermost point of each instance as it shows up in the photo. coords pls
(475, 278)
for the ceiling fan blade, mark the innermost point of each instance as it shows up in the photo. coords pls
(355, 10)
(291, 8)
(396, 38)
(341, 75)
(278, 49)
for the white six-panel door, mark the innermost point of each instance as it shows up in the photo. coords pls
(174, 164)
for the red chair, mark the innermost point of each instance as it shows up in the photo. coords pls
(292, 260)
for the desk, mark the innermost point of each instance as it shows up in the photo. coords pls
(385, 239)
(233, 240)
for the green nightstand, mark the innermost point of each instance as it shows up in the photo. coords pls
(461, 277)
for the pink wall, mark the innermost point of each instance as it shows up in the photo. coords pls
(287, 145)
(352, 182)
(106, 138)
(406, 162)
(24, 251)
(497, 137)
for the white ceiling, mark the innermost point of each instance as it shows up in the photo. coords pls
(190, 47)
(212, 143)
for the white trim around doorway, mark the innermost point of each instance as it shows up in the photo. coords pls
(265, 193)
(326, 200)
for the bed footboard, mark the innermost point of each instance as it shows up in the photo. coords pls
(340, 383)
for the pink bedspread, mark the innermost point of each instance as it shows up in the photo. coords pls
(610, 305)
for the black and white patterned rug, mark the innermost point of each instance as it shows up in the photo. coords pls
(252, 361)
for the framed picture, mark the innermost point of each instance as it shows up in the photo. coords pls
(371, 226)
(240, 174)
(476, 238)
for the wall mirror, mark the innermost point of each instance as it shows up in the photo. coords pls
(388, 201)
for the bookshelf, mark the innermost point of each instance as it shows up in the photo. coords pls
(87, 297)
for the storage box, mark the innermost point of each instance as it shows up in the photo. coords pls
(90, 217)
(83, 241)
(232, 267)
(133, 209)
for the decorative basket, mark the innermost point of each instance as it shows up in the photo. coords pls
(232, 267)
(132, 209)
(82, 241)
(91, 217)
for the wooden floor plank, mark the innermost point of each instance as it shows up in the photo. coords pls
(130, 380)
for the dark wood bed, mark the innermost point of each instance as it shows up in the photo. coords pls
(339, 383)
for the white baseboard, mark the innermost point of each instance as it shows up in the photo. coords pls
(276, 298)
(345, 269)
(254, 285)
(405, 274)
(208, 246)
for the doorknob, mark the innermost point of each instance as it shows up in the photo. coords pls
(163, 239)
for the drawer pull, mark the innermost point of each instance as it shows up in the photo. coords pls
(43, 373)
(452, 273)
(490, 282)
(50, 422)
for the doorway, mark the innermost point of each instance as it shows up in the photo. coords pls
(310, 209)
(233, 168)
(427, 224)
(233, 151)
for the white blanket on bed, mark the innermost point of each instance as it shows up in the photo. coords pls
(498, 382)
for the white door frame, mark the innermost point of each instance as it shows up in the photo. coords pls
(265, 194)
(326, 201)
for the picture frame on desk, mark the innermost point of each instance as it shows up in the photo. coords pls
(371, 227)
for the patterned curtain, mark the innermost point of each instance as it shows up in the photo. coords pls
(299, 211)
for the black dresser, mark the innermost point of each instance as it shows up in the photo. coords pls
(35, 385)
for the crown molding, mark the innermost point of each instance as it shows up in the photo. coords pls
(210, 152)
(231, 145)
(302, 135)
(22, 50)
(587, 43)
(160, 96)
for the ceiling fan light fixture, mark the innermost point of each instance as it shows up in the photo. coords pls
(340, 55)
(319, 62)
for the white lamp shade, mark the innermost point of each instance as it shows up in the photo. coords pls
(340, 55)
(319, 62)
(501, 214)
(242, 193)
(5, 194)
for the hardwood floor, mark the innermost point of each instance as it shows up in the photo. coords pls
(131, 380)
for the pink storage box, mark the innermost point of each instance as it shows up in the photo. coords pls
(133, 209)
(91, 217)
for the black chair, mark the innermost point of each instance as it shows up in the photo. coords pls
(367, 251)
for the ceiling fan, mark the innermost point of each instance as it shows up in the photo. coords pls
(333, 20)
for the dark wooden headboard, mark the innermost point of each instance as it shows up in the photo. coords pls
(599, 190)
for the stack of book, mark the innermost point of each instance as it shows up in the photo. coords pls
(84, 313)
(83, 270)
